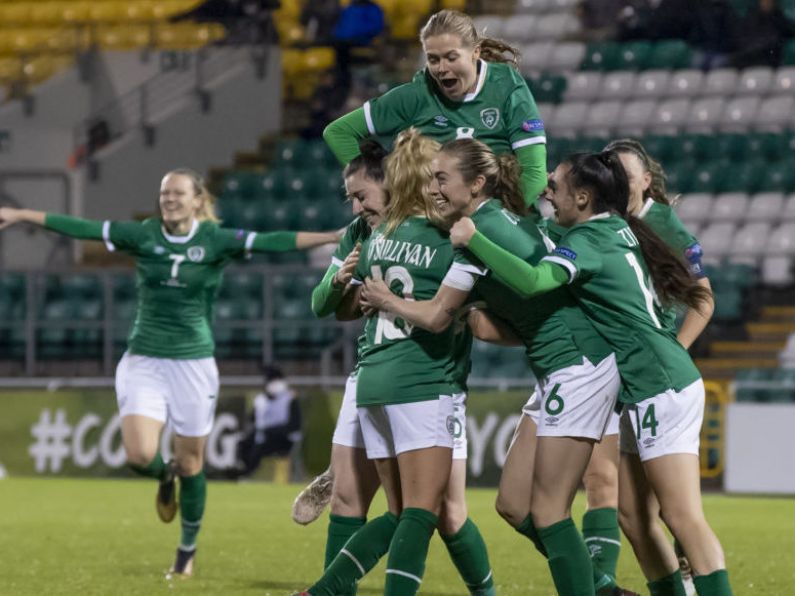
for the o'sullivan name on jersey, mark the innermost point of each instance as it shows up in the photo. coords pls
(399, 251)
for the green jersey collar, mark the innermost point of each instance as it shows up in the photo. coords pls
(181, 239)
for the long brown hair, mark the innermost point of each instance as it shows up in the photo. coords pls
(656, 190)
(604, 176)
(206, 211)
(457, 23)
(502, 173)
(408, 177)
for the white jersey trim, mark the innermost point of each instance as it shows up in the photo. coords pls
(337, 262)
(568, 265)
(462, 277)
(646, 208)
(250, 242)
(368, 118)
(181, 239)
(405, 574)
(106, 236)
(484, 66)
(530, 141)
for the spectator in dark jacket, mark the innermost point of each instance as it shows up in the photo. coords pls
(714, 33)
(765, 31)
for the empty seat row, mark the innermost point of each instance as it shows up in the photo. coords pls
(284, 182)
(63, 12)
(659, 84)
(670, 116)
(736, 207)
(523, 27)
(751, 241)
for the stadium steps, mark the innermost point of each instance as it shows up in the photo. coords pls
(730, 349)
(765, 330)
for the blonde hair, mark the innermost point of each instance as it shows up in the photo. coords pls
(206, 211)
(457, 23)
(502, 174)
(408, 177)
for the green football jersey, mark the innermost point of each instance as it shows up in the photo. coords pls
(357, 231)
(501, 112)
(666, 224)
(611, 282)
(553, 328)
(400, 363)
(177, 281)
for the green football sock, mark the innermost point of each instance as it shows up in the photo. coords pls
(469, 555)
(154, 469)
(714, 584)
(569, 562)
(340, 529)
(528, 529)
(670, 585)
(408, 551)
(360, 554)
(603, 538)
(192, 497)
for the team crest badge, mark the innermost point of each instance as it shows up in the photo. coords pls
(196, 254)
(490, 117)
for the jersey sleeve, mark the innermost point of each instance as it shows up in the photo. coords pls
(523, 121)
(464, 271)
(394, 110)
(578, 254)
(351, 236)
(233, 244)
(685, 244)
(126, 236)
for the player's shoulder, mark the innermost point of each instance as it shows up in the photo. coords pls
(358, 230)
(504, 73)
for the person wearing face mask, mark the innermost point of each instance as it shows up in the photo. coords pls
(564, 351)
(619, 271)
(468, 89)
(351, 480)
(168, 372)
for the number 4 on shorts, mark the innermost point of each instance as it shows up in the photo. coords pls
(649, 421)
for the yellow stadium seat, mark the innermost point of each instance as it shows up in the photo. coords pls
(40, 68)
(187, 35)
(14, 13)
(73, 12)
(9, 68)
(406, 27)
(45, 13)
(455, 4)
(317, 59)
(292, 62)
(107, 12)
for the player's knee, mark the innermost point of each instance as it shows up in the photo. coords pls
(636, 524)
(601, 489)
(510, 511)
(683, 520)
(346, 502)
(138, 457)
(189, 464)
(452, 517)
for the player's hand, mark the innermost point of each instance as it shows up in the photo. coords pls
(9, 216)
(344, 274)
(461, 232)
(375, 294)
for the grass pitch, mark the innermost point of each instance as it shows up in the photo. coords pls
(103, 537)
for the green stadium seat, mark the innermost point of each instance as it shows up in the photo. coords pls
(750, 375)
(241, 183)
(277, 215)
(290, 152)
(670, 54)
(243, 284)
(317, 152)
(698, 148)
(779, 176)
(53, 341)
(548, 88)
(601, 56)
(734, 147)
(680, 177)
(788, 56)
(272, 184)
(728, 304)
(746, 176)
(767, 146)
(123, 287)
(253, 215)
(634, 55)
(313, 216)
(707, 177)
(662, 148)
(81, 287)
(740, 275)
(13, 285)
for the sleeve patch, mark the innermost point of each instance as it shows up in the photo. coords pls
(566, 252)
(533, 125)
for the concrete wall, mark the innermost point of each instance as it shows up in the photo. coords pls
(244, 108)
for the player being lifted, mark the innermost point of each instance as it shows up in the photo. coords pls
(467, 89)
(168, 371)
(604, 254)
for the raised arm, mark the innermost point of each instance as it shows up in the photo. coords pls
(533, 160)
(521, 277)
(75, 227)
(284, 241)
(343, 135)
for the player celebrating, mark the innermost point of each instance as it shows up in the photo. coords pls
(564, 351)
(602, 257)
(404, 390)
(355, 479)
(168, 370)
(468, 89)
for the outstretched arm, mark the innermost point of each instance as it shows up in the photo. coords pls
(76, 227)
(521, 277)
(9, 216)
(284, 241)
